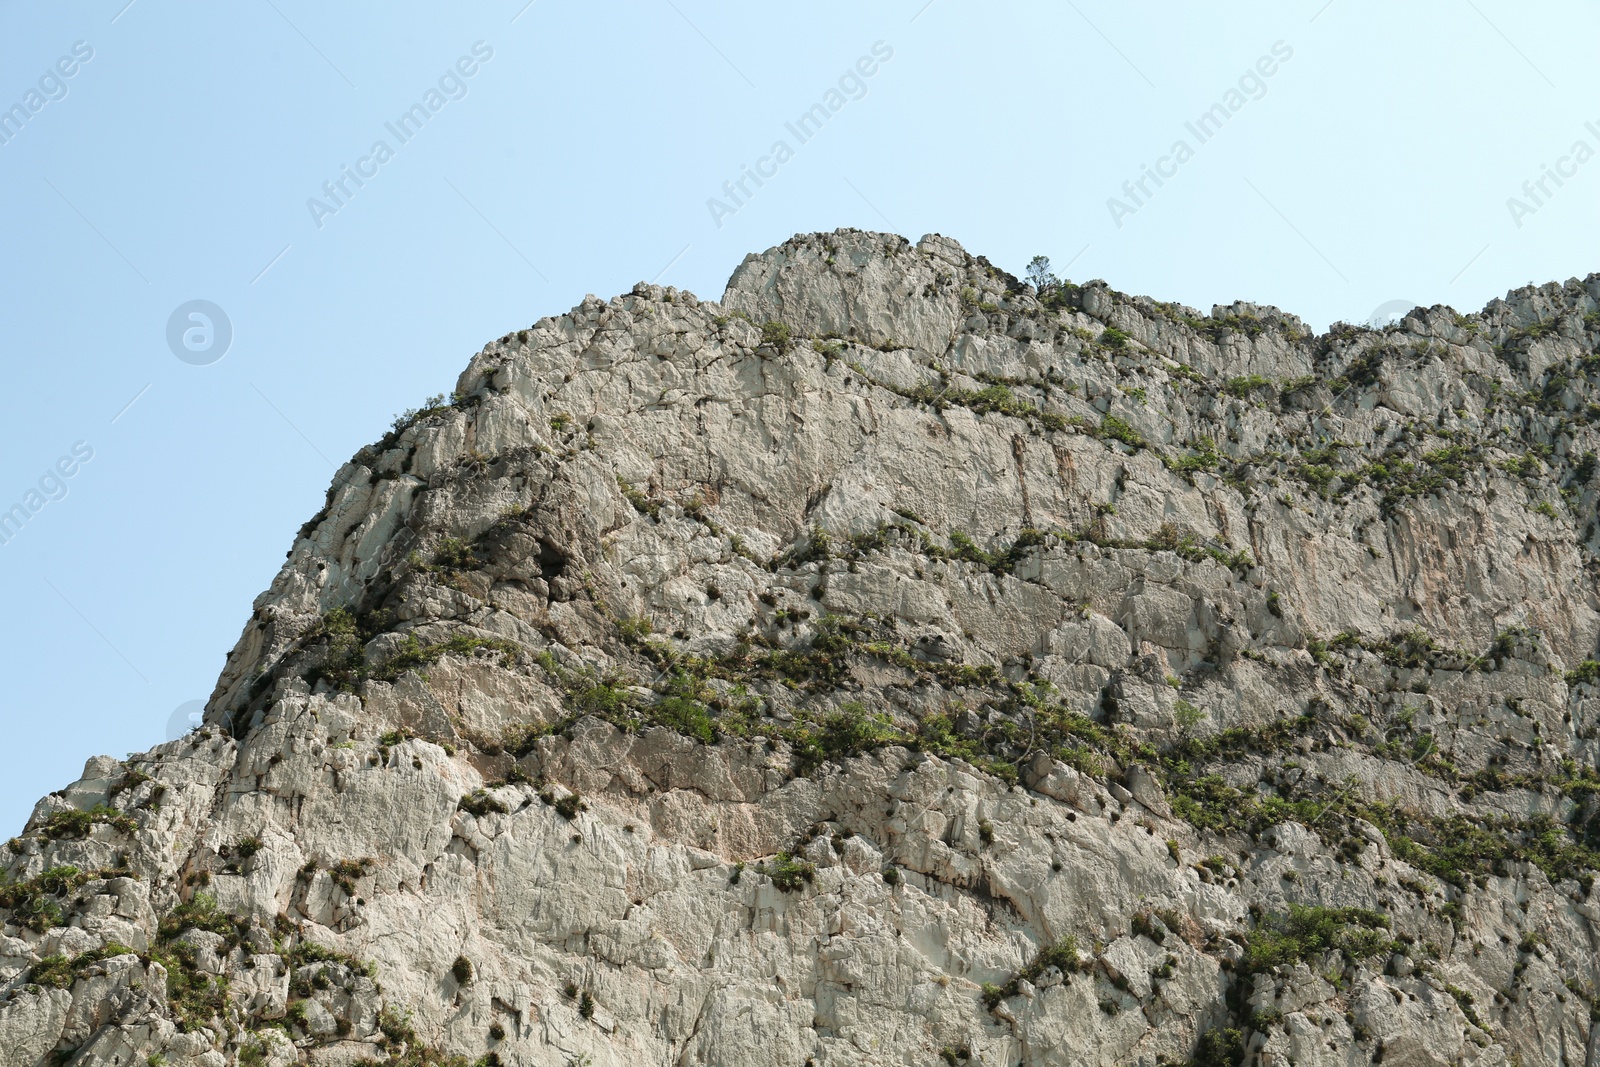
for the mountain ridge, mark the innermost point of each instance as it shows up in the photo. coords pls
(892, 661)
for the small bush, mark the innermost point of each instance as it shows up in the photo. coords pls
(434, 405)
(568, 806)
(1264, 1018)
(461, 970)
(480, 803)
(1118, 429)
(1220, 1048)
(52, 972)
(847, 732)
(1146, 926)
(1242, 387)
(31, 901)
(1308, 931)
(1585, 673)
(345, 873)
(199, 913)
(71, 825)
(790, 874)
(777, 335)
(688, 717)
(1187, 715)
(1063, 955)
(455, 554)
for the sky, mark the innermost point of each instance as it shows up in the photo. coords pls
(203, 313)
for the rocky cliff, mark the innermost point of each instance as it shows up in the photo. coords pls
(891, 664)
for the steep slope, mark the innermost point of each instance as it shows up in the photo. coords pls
(892, 662)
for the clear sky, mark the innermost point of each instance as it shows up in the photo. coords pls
(160, 153)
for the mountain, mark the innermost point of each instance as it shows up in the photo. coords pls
(893, 663)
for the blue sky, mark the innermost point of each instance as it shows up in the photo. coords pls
(177, 162)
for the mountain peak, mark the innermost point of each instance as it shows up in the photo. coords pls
(894, 661)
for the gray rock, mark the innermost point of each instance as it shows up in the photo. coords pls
(758, 681)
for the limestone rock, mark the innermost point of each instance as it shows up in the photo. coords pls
(888, 664)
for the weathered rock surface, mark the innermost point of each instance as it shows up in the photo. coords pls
(892, 662)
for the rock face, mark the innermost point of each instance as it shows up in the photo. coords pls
(892, 662)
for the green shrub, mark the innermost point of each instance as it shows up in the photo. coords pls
(413, 655)
(789, 873)
(77, 824)
(849, 731)
(636, 630)
(569, 805)
(199, 913)
(688, 717)
(1118, 429)
(777, 335)
(1062, 954)
(1585, 673)
(1222, 1047)
(461, 970)
(1309, 931)
(641, 503)
(434, 405)
(345, 873)
(1186, 715)
(52, 972)
(1147, 926)
(480, 803)
(395, 1025)
(455, 554)
(603, 700)
(1265, 1018)
(31, 902)
(1242, 387)
(1203, 457)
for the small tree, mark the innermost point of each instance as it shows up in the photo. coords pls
(1039, 274)
(1187, 716)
